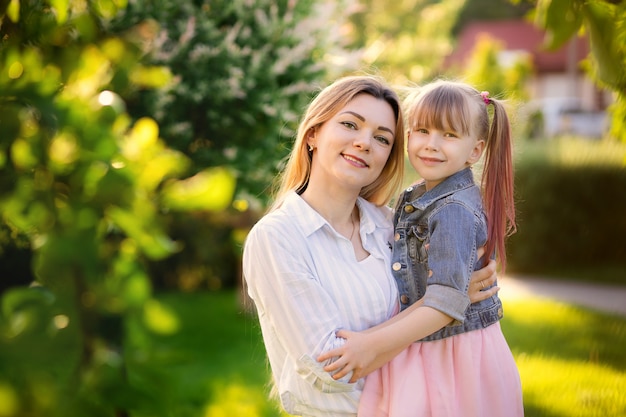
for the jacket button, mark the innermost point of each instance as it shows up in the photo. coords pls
(396, 266)
(396, 237)
(500, 312)
(409, 209)
(404, 299)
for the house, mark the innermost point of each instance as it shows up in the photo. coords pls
(566, 98)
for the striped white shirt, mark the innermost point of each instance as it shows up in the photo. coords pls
(306, 284)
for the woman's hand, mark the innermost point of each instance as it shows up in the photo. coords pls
(481, 281)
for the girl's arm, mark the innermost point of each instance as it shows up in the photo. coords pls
(366, 351)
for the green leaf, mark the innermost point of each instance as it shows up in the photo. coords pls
(151, 76)
(160, 318)
(9, 400)
(13, 10)
(60, 10)
(561, 20)
(17, 298)
(211, 189)
(609, 57)
(140, 226)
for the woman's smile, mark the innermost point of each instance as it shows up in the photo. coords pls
(358, 162)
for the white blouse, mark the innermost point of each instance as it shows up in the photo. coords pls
(306, 284)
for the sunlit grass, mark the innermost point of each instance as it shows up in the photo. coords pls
(215, 365)
(236, 399)
(572, 361)
(556, 387)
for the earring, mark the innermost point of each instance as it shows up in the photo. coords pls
(310, 148)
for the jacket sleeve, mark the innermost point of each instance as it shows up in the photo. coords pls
(451, 257)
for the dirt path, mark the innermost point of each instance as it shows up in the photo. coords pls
(603, 297)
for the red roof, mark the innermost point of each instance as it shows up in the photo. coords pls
(516, 35)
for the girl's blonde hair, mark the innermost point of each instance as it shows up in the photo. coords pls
(459, 107)
(295, 176)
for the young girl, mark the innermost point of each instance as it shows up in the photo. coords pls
(462, 365)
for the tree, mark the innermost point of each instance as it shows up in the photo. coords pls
(242, 71)
(605, 23)
(88, 188)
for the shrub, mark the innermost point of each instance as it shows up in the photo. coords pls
(570, 205)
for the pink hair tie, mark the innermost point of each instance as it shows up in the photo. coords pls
(485, 96)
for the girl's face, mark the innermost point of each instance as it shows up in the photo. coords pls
(437, 154)
(353, 147)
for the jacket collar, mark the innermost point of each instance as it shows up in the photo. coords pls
(455, 182)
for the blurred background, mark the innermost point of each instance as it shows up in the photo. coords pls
(139, 140)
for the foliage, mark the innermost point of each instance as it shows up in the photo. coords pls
(569, 209)
(502, 79)
(404, 41)
(87, 187)
(481, 10)
(605, 23)
(242, 72)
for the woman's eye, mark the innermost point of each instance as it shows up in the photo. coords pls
(383, 139)
(349, 125)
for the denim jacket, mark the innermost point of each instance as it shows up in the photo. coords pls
(437, 235)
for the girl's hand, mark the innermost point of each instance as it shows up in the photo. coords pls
(356, 356)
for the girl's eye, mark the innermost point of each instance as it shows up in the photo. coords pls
(420, 130)
(451, 135)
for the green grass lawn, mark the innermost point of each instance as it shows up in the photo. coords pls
(572, 361)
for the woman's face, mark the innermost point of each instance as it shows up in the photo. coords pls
(353, 146)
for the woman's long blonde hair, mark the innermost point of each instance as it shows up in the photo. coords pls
(295, 176)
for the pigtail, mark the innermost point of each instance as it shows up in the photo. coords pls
(498, 182)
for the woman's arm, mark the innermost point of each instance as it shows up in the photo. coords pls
(288, 298)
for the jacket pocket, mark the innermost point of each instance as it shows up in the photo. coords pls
(418, 242)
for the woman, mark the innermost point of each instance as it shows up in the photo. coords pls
(319, 261)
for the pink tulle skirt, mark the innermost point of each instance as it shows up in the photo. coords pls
(469, 375)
